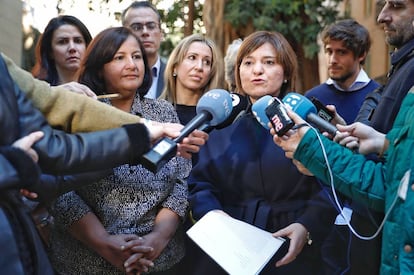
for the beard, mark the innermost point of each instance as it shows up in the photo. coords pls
(341, 78)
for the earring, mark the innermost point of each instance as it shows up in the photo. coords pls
(285, 81)
(174, 74)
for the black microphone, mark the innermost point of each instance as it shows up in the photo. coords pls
(212, 109)
(239, 103)
(306, 110)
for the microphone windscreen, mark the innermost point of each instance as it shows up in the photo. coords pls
(300, 104)
(259, 110)
(216, 102)
(240, 104)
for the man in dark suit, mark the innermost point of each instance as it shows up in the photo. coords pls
(145, 21)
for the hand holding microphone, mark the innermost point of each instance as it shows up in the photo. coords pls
(212, 109)
(268, 109)
(306, 110)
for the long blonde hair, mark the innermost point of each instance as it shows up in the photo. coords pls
(177, 55)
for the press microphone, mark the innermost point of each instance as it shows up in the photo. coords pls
(239, 103)
(259, 110)
(306, 110)
(213, 108)
(271, 109)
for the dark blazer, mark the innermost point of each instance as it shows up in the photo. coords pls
(160, 82)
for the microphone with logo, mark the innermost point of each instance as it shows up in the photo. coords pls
(239, 103)
(267, 109)
(271, 109)
(212, 109)
(306, 110)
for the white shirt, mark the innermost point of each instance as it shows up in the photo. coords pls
(152, 92)
(360, 82)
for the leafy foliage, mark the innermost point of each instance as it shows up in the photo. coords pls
(299, 21)
(175, 19)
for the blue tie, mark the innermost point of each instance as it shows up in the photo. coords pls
(154, 72)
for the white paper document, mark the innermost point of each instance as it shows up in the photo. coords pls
(238, 247)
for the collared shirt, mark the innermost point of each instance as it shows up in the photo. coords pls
(152, 92)
(360, 82)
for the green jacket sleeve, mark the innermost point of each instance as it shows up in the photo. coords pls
(353, 175)
(66, 110)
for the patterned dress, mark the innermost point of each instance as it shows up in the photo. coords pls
(126, 202)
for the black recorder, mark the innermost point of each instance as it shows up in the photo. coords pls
(323, 112)
(277, 114)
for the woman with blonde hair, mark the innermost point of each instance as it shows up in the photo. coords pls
(194, 67)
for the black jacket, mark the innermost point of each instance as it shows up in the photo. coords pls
(59, 153)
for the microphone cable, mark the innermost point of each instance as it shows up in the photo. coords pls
(332, 183)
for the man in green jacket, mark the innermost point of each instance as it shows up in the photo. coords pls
(387, 187)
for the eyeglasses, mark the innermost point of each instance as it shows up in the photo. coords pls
(139, 27)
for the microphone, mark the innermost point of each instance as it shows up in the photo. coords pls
(306, 110)
(259, 110)
(213, 108)
(270, 109)
(239, 103)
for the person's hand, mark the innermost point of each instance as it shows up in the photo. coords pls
(25, 143)
(301, 168)
(138, 261)
(159, 130)
(298, 235)
(79, 89)
(28, 194)
(345, 139)
(192, 144)
(337, 119)
(143, 262)
(114, 248)
(290, 141)
(361, 136)
(189, 145)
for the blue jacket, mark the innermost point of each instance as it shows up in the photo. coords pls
(241, 171)
(376, 184)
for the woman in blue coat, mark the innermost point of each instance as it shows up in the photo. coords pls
(243, 174)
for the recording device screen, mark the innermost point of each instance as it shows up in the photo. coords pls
(279, 118)
(323, 112)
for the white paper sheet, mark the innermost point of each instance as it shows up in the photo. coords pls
(238, 247)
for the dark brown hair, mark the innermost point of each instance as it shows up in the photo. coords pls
(101, 51)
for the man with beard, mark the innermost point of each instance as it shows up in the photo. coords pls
(381, 106)
(346, 44)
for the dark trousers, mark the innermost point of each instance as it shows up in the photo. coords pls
(344, 253)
